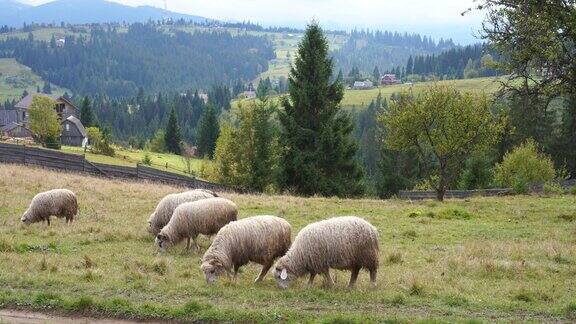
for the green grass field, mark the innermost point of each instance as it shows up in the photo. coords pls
(15, 78)
(510, 259)
(362, 98)
(126, 157)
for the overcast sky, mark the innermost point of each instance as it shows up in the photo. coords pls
(440, 18)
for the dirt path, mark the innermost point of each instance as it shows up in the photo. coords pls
(26, 317)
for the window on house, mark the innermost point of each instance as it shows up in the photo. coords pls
(67, 127)
(60, 110)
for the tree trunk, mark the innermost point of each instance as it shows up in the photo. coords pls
(441, 189)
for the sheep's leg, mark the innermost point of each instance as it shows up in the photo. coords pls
(353, 277)
(48, 220)
(311, 279)
(197, 245)
(264, 271)
(188, 244)
(373, 277)
(328, 281)
(236, 268)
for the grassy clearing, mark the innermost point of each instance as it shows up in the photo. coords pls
(15, 78)
(362, 98)
(126, 157)
(511, 258)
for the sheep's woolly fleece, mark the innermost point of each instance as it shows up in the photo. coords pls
(61, 203)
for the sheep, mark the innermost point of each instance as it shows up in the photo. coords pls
(163, 212)
(206, 216)
(260, 239)
(344, 243)
(58, 202)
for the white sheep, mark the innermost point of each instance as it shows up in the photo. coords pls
(61, 203)
(259, 239)
(206, 216)
(163, 212)
(344, 243)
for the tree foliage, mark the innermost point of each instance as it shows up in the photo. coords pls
(318, 154)
(247, 155)
(208, 131)
(445, 126)
(172, 137)
(524, 166)
(44, 122)
(86, 114)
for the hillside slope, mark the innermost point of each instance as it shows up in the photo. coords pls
(15, 78)
(505, 259)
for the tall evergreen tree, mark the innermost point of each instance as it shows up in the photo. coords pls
(47, 89)
(376, 74)
(86, 114)
(208, 131)
(173, 137)
(319, 155)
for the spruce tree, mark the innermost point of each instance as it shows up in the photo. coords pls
(208, 131)
(319, 154)
(86, 115)
(172, 137)
(47, 89)
(376, 74)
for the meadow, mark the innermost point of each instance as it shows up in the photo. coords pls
(15, 78)
(484, 259)
(129, 157)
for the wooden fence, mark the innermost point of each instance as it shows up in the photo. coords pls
(11, 153)
(460, 194)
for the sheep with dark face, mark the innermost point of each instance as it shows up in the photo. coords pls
(61, 203)
(206, 216)
(343, 243)
(163, 212)
(259, 239)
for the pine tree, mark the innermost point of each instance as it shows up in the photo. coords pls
(173, 137)
(410, 66)
(208, 131)
(319, 155)
(376, 74)
(86, 115)
(47, 89)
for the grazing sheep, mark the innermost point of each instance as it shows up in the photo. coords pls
(259, 239)
(206, 216)
(58, 202)
(161, 216)
(344, 243)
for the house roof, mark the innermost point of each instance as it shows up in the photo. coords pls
(78, 124)
(12, 126)
(27, 101)
(7, 117)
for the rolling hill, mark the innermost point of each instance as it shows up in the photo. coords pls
(14, 14)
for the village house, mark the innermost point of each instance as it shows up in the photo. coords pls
(389, 79)
(14, 123)
(363, 85)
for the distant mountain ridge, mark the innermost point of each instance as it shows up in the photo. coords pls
(15, 14)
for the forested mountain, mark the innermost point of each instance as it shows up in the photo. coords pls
(366, 50)
(15, 14)
(456, 63)
(117, 63)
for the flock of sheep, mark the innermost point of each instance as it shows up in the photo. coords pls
(344, 243)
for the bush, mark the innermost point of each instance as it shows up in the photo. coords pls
(553, 188)
(157, 143)
(146, 160)
(99, 142)
(524, 166)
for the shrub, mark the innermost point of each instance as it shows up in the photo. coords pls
(553, 188)
(524, 166)
(99, 142)
(147, 160)
(157, 143)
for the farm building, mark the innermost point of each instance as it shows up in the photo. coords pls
(363, 85)
(73, 132)
(389, 79)
(15, 130)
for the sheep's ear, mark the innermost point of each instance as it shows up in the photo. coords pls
(284, 274)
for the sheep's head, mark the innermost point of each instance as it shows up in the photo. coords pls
(212, 270)
(163, 241)
(26, 218)
(282, 273)
(151, 228)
